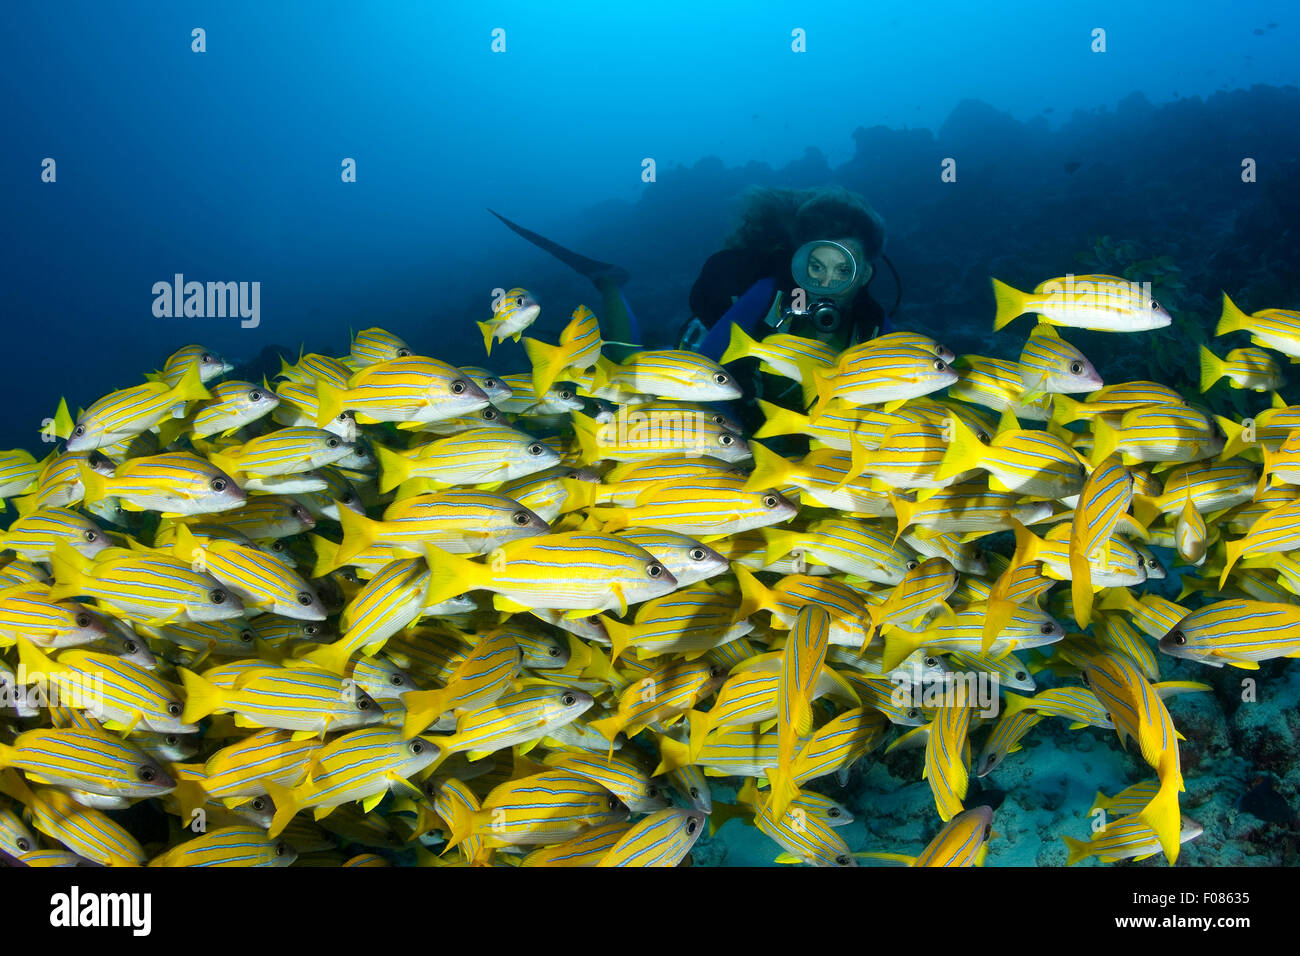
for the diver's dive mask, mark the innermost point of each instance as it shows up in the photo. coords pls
(825, 270)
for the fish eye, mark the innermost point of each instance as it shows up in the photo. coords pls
(694, 792)
(254, 396)
(490, 415)
(726, 440)
(311, 630)
(304, 599)
(568, 700)
(932, 662)
(719, 420)
(363, 703)
(1154, 305)
(769, 501)
(554, 651)
(396, 680)
(299, 512)
(913, 713)
(520, 518)
(833, 813)
(403, 352)
(613, 803)
(692, 825)
(716, 671)
(23, 844)
(912, 565)
(457, 387)
(534, 449)
(343, 416)
(1021, 675)
(332, 442)
(171, 740)
(146, 774)
(246, 636)
(489, 383)
(79, 431)
(519, 300)
(280, 849)
(1177, 637)
(258, 804)
(206, 358)
(217, 484)
(417, 747)
(1153, 564)
(565, 394)
(174, 709)
(83, 620)
(720, 378)
(654, 570)
(842, 860)
(1076, 368)
(940, 365)
(983, 436)
(217, 596)
(130, 646)
(91, 535)
(697, 554)
(1046, 629)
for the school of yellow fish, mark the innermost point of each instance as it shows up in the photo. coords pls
(389, 610)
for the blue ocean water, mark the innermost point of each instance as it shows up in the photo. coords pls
(344, 156)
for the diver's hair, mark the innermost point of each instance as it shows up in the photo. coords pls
(777, 219)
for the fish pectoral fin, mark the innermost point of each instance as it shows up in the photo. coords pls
(372, 801)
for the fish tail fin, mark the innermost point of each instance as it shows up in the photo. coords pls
(780, 421)
(1232, 319)
(1232, 554)
(1081, 587)
(577, 494)
(1076, 850)
(190, 388)
(999, 615)
(740, 345)
(423, 707)
(95, 484)
(286, 806)
(486, 329)
(1064, 410)
(770, 469)
(823, 388)
(898, 644)
(461, 824)
(62, 422)
(1211, 368)
(1162, 816)
(673, 755)
(697, 721)
(964, 450)
(359, 533)
(548, 361)
(69, 568)
(1105, 439)
(753, 595)
(620, 636)
(780, 542)
(11, 783)
(1234, 442)
(324, 551)
(607, 727)
(333, 657)
(1145, 509)
(329, 402)
(1010, 302)
(587, 431)
(394, 468)
(450, 575)
(35, 661)
(784, 791)
(201, 697)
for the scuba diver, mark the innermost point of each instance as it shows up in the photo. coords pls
(801, 262)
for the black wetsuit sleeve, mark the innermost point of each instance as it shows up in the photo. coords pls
(724, 276)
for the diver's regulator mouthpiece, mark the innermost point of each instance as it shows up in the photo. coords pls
(824, 269)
